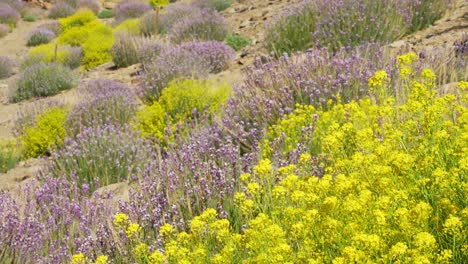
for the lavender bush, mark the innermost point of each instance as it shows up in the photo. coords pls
(43, 80)
(149, 52)
(4, 30)
(175, 13)
(103, 102)
(18, 5)
(208, 25)
(39, 36)
(55, 219)
(130, 9)
(53, 26)
(104, 155)
(189, 60)
(335, 24)
(8, 15)
(148, 24)
(124, 51)
(218, 5)
(61, 9)
(6, 67)
(92, 5)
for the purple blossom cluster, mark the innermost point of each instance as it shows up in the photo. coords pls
(8, 15)
(92, 5)
(175, 13)
(149, 52)
(102, 155)
(188, 60)
(40, 36)
(6, 67)
(461, 46)
(128, 9)
(53, 26)
(206, 25)
(61, 9)
(103, 102)
(18, 5)
(56, 219)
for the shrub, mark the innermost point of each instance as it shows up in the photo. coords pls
(39, 36)
(147, 24)
(101, 156)
(60, 10)
(68, 56)
(53, 26)
(97, 50)
(341, 24)
(208, 26)
(6, 67)
(103, 102)
(47, 133)
(237, 42)
(8, 15)
(124, 51)
(18, 5)
(149, 52)
(187, 61)
(29, 18)
(218, 5)
(130, 26)
(130, 9)
(151, 121)
(89, 4)
(4, 30)
(43, 80)
(79, 19)
(175, 13)
(105, 13)
(9, 155)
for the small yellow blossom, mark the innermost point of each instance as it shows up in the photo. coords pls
(428, 74)
(379, 80)
(121, 220)
(407, 58)
(463, 85)
(453, 225)
(102, 260)
(166, 230)
(156, 258)
(133, 230)
(79, 259)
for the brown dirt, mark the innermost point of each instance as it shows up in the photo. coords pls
(245, 17)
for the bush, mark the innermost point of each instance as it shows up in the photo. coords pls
(43, 80)
(103, 102)
(187, 61)
(89, 4)
(101, 156)
(39, 36)
(9, 155)
(130, 9)
(147, 24)
(237, 42)
(29, 18)
(124, 51)
(68, 56)
(60, 10)
(8, 15)
(175, 13)
(18, 5)
(47, 133)
(208, 26)
(4, 30)
(218, 5)
(6, 67)
(105, 13)
(53, 26)
(347, 24)
(149, 52)
(151, 121)
(130, 26)
(95, 38)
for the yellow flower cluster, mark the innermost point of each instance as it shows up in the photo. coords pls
(392, 190)
(122, 222)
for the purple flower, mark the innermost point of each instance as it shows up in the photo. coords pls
(40, 36)
(130, 9)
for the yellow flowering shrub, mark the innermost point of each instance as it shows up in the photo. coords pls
(9, 155)
(48, 131)
(151, 121)
(131, 26)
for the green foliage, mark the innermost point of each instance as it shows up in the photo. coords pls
(45, 53)
(237, 42)
(124, 51)
(105, 13)
(9, 155)
(158, 3)
(47, 132)
(29, 18)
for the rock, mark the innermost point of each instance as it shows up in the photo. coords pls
(398, 44)
(109, 5)
(245, 24)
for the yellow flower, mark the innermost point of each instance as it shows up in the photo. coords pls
(263, 168)
(379, 79)
(244, 177)
(102, 260)
(445, 256)
(253, 188)
(398, 249)
(79, 259)
(453, 225)
(407, 58)
(141, 252)
(425, 241)
(428, 74)
(463, 85)
(156, 258)
(166, 230)
(133, 230)
(121, 220)
(405, 71)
